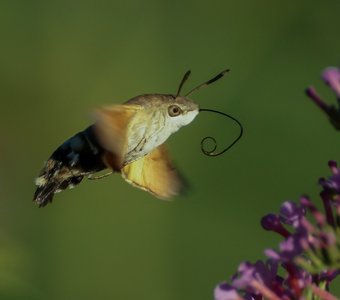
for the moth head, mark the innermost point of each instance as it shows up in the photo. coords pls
(182, 109)
(175, 112)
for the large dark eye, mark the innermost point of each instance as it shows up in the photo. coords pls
(174, 110)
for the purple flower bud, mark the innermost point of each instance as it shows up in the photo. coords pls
(331, 194)
(291, 214)
(314, 96)
(272, 254)
(224, 291)
(272, 222)
(333, 182)
(331, 76)
(266, 272)
(333, 166)
(244, 277)
(258, 280)
(327, 199)
(307, 203)
(292, 246)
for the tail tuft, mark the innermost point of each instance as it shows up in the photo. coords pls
(54, 177)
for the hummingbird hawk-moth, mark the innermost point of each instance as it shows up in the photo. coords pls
(125, 138)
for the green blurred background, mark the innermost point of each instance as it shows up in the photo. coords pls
(108, 240)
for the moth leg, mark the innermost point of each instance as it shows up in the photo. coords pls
(91, 177)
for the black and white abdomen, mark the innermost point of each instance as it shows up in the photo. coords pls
(79, 156)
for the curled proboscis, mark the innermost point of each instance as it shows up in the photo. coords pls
(210, 139)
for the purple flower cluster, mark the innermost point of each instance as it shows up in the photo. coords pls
(331, 76)
(308, 256)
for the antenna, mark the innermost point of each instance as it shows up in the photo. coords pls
(184, 79)
(204, 84)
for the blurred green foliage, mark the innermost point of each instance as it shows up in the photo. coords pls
(108, 240)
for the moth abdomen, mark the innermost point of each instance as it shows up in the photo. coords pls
(79, 156)
(52, 181)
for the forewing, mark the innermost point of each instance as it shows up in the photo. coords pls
(154, 173)
(112, 129)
